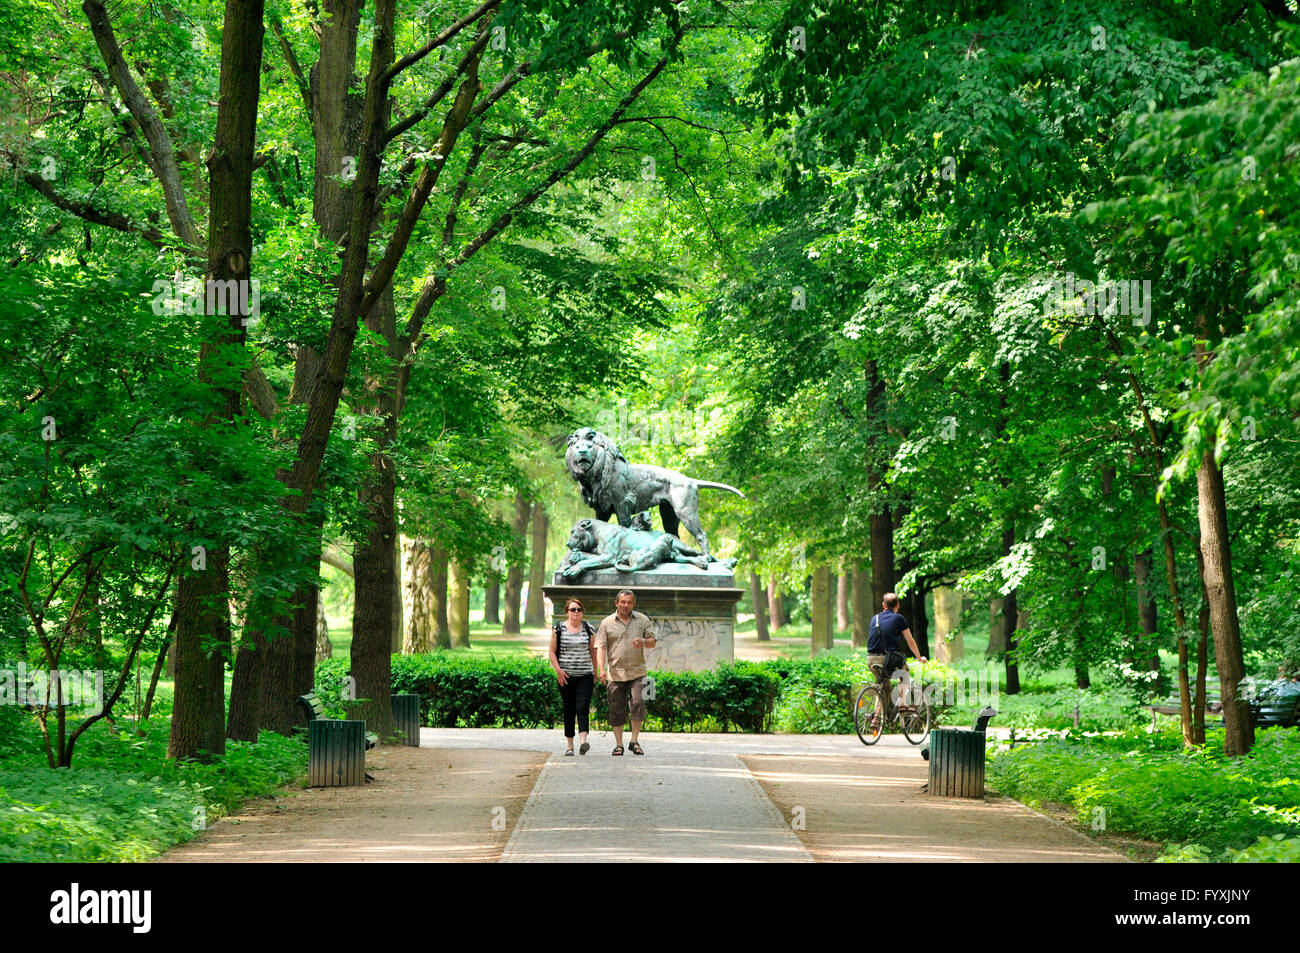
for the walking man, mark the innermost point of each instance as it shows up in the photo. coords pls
(620, 643)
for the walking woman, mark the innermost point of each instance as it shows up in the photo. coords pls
(574, 659)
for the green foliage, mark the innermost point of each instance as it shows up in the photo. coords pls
(124, 801)
(1148, 787)
(1106, 708)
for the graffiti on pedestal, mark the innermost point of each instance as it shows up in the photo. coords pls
(688, 645)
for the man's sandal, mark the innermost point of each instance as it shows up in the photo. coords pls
(634, 748)
(618, 749)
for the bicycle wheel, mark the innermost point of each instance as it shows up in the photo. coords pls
(916, 724)
(868, 715)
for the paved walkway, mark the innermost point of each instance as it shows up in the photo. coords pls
(732, 797)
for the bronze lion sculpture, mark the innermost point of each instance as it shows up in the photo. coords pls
(612, 486)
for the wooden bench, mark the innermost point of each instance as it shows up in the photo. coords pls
(336, 749)
(1172, 706)
(1276, 710)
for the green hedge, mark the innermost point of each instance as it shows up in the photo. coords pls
(800, 696)
(463, 691)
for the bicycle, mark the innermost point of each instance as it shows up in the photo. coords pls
(874, 710)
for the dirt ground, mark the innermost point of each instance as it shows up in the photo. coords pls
(425, 804)
(869, 809)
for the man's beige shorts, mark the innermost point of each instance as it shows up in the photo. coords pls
(617, 694)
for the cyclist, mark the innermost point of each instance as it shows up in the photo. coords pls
(887, 626)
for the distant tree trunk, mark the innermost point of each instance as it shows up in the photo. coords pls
(948, 642)
(515, 576)
(492, 604)
(775, 606)
(440, 563)
(1199, 700)
(535, 611)
(458, 604)
(821, 602)
(324, 648)
(1146, 610)
(917, 617)
(861, 607)
(997, 631)
(398, 615)
(882, 558)
(881, 526)
(759, 598)
(1005, 616)
(843, 584)
(421, 600)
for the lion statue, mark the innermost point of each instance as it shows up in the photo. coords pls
(596, 544)
(612, 486)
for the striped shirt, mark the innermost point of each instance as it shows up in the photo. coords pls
(574, 650)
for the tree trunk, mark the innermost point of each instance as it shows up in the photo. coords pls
(822, 601)
(535, 611)
(1199, 700)
(759, 598)
(1239, 729)
(843, 585)
(997, 631)
(1081, 677)
(515, 576)
(1148, 621)
(775, 606)
(1010, 616)
(421, 603)
(398, 615)
(492, 604)
(324, 648)
(372, 610)
(948, 642)
(440, 563)
(881, 521)
(861, 607)
(199, 709)
(882, 558)
(918, 618)
(458, 604)
(1220, 591)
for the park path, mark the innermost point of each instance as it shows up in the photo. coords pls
(733, 797)
(484, 795)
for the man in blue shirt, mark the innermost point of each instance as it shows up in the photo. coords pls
(883, 635)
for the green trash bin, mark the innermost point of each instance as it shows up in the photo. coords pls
(956, 763)
(406, 717)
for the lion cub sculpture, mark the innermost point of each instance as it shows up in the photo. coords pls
(613, 487)
(596, 544)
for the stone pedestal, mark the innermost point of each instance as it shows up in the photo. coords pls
(693, 610)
